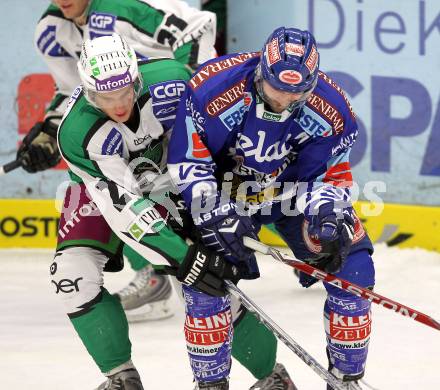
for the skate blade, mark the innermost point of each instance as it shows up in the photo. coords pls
(154, 311)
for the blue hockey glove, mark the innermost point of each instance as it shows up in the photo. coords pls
(335, 233)
(224, 234)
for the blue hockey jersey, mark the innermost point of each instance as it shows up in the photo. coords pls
(224, 131)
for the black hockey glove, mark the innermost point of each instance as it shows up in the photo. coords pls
(335, 233)
(204, 270)
(39, 150)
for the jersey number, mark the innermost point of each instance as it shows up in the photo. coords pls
(165, 34)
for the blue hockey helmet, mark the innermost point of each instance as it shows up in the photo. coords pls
(290, 60)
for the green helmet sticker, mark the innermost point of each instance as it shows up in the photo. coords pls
(96, 72)
(93, 61)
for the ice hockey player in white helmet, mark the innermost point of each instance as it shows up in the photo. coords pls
(111, 203)
(106, 205)
(166, 28)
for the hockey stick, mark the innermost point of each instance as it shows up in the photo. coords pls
(286, 339)
(342, 283)
(9, 167)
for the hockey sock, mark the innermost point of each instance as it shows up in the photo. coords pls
(254, 346)
(103, 329)
(208, 334)
(347, 317)
(348, 333)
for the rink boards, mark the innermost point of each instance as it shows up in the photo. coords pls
(27, 223)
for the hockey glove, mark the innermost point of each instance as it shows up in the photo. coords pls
(204, 270)
(224, 234)
(39, 150)
(335, 233)
(181, 222)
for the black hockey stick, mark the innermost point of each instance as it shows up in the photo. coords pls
(286, 339)
(343, 284)
(9, 167)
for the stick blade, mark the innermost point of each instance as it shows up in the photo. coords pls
(255, 245)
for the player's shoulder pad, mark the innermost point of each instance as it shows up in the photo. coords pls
(164, 80)
(330, 107)
(155, 70)
(79, 123)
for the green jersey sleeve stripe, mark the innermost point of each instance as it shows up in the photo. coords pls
(61, 133)
(140, 15)
(78, 155)
(187, 53)
(156, 238)
(162, 70)
(96, 126)
(56, 102)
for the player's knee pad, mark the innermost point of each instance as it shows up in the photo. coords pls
(348, 317)
(208, 334)
(76, 276)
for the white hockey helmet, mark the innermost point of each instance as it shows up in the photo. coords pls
(107, 64)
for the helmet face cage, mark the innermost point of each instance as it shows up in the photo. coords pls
(107, 64)
(297, 104)
(290, 60)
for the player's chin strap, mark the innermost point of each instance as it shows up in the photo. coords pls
(286, 339)
(342, 283)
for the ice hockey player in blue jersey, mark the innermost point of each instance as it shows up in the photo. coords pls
(265, 138)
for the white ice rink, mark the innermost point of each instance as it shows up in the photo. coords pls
(39, 348)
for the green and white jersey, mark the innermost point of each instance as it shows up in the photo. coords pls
(100, 152)
(154, 28)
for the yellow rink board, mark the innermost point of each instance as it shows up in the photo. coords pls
(28, 223)
(405, 226)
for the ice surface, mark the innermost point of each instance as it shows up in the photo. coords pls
(39, 349)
